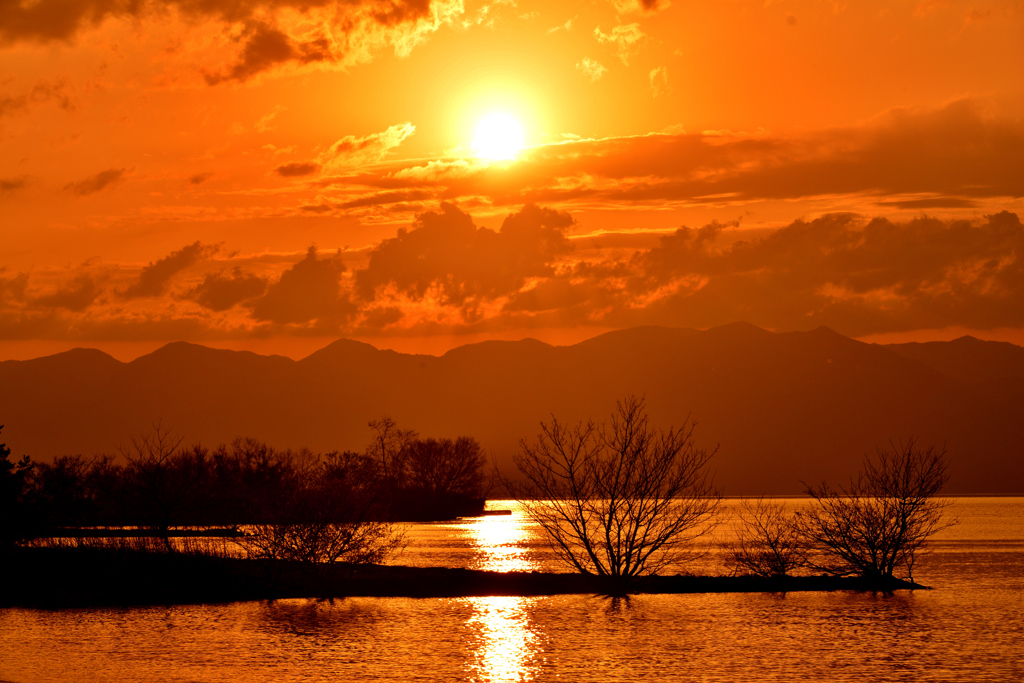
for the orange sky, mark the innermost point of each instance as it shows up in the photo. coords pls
(275, 174)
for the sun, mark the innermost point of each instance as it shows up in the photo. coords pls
(498, 136)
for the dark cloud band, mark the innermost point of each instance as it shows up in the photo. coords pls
(444, 273)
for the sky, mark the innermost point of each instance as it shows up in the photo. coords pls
(273, 174)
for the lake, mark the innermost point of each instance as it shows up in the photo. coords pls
(969, 628)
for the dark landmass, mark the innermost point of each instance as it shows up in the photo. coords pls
(53, 578)
(784, 407)
(77, 532)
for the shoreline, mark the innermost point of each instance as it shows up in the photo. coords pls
(57, 578)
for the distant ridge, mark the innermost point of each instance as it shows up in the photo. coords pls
(783, 407)
(968, 359)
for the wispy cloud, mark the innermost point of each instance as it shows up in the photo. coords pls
(659, 81)
(96, 183)
(352, 150)
(591, 68)
(625, 38)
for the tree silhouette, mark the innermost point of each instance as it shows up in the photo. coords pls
(15, 522)
(619, 500)
(768, 540)
(330, 512)
(165, 483)
(877, 525)
(390, 448)
(445, 467)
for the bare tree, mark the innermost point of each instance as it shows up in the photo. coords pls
(390, 448)
(768, 540)
(877, 525)
(619, 500)
(165, 482)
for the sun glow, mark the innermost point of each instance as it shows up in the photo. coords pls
(498, 136)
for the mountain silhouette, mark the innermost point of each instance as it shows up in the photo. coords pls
(967, 359)
(782, 407)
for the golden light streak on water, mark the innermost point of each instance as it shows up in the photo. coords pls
(508, 645)
(500, 541)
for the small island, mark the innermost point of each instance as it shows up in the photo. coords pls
(57, 578)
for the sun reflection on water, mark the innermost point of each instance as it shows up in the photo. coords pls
(508, 648)
(501, 544)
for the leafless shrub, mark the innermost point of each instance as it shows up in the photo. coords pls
(877, 525)
(321, 542)
(768, 541)
(330, 516)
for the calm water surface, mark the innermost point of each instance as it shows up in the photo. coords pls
(970, 628)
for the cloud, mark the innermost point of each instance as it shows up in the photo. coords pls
(644, 6)
(51, 20)
(381, 198)
(11, 184)
(12, 289)
(220, 291)
(297, 169)
(842, 270)
(76, 295)
(446, 256)
(567, 26)
(855, 275)
(949, 156)
(266, 123)
(159, 327)
(59, 91)
(625, 38)
(438, 170)
(10, 104)
(1005, 10)
(859, 275)
(352, 150)
(556, 294)
(96, 183)
(275, 33)
(154, 278)
(267, 46)
(310, 290)
(316, 208)
(380, 317)
(659, 81)
(930, 203)
(591, 68)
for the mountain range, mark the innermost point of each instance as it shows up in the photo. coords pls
(782, 408)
